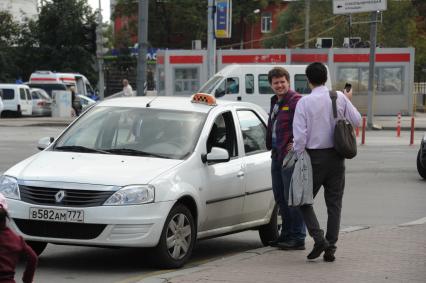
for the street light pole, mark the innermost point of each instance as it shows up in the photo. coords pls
(142, 45)
(211, 40)
(100, 53)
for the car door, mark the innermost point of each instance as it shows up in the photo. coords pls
(225, 180)
(257, 164)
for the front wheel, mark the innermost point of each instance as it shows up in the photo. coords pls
(420, 168)
(177, 239)
(270, 232)
(38, 247)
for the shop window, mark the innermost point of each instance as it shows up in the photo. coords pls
(187, 80)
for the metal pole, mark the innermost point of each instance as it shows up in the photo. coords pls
(100, 54)
(211, 40)
(142, 44)
(373, 34)
(307, 15)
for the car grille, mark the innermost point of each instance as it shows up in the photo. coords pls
(59, 229)
(76, 198)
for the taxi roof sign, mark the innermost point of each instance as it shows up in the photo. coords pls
(204, 98)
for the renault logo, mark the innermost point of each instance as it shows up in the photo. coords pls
(59, 196)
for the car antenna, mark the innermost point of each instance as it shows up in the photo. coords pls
(149, 103)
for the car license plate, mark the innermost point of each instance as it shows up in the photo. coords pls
(58, 215)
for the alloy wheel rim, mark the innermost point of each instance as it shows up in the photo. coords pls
(178, 236)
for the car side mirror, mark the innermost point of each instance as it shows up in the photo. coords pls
(44, 142)
(216, 155)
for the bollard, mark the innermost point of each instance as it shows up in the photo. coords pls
(363, 129)
(412, 131)
(398, 126)
(357, 131)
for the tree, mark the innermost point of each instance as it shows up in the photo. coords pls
(66, 31)
(9, 34)
(403, 26)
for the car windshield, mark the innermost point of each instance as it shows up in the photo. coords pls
(134, 131)
(210, 84)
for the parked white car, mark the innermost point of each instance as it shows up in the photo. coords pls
(42, 103)
(16, 100)
(156, 172)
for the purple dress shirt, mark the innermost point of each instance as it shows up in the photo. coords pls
(313, 124)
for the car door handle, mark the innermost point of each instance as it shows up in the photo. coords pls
(240, 174)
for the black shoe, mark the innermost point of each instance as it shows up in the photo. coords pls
(318, 249)
(329, 255)
(275, 243)
(292, 245)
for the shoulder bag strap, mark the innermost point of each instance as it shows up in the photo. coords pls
(333, 96)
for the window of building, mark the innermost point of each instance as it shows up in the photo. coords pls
(249, 84)
(388, 80)
(301, 84)
(266, 22)
(264, 86)
(186, 80)
(253, 132)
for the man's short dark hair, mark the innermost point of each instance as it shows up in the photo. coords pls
(316, 73)
(278, 72)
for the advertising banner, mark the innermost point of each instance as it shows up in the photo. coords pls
(223, 18)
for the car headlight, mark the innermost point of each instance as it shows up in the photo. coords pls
(9, 187)
(130, 195)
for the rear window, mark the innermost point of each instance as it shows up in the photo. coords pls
(8, 94)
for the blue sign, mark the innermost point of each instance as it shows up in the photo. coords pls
(223, 18)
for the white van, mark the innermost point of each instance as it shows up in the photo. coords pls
(249, 82)
(16, 100)
(50, 81)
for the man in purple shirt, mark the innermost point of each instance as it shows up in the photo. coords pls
(279, 139)
(313, 129)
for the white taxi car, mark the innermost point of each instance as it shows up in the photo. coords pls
(156, 172)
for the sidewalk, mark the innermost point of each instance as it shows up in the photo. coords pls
(378, 254)
(384, 122)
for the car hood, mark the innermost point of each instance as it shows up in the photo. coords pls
(91, 168)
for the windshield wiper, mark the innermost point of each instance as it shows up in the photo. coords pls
(135, 152)
(79, 148)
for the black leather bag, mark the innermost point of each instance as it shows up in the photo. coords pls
(344, 134)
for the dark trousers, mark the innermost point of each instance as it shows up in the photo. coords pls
(328, 171)
(293, 227)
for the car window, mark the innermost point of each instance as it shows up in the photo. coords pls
(168, 133)
(8, 94)
(253, 131)
(22, 94)
(232, 85)
(223, 134)
(264, 86)
(249, 83)
(27, 91)
(35, 95)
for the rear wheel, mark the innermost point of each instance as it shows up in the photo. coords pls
(271, 231)
(177, 239)
(38, 247)
(420, 168)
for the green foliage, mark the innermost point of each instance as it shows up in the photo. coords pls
(403, 25)
(67, 36)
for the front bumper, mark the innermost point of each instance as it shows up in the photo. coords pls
(121, 226)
